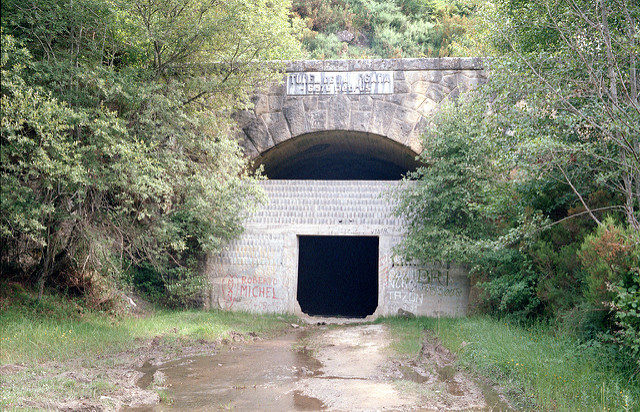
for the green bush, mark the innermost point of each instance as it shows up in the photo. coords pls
(325, 45)
(584, 321)
(611, 258)
(170, 288)
(380, 28)
(626, 304)
(184, 288)
(510, 290)
(147, 281)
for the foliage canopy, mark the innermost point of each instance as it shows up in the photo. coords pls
(117, 149)
(518, 175)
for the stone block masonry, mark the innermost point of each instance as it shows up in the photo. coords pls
(398, 104)
(258, 271)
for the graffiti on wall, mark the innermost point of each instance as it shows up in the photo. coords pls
(263, 291)
(409, 287)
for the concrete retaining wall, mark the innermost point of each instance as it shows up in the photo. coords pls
(258, 272)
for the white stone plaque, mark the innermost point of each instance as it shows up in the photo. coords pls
(310, 83)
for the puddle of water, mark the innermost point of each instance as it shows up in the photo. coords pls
(493, 400)
(306, 403)
(265, 375)
(148, 369)
(446, 374)
(411, 374)
(306, 364)
(258, 376)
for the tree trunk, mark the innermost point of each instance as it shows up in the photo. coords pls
(47, 261)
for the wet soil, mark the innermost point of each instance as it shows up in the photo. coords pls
(116, 372)
(336, 368)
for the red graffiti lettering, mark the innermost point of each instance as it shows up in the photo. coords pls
(244, 291)
(228, 296)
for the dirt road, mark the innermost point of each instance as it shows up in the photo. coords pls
(335, 368)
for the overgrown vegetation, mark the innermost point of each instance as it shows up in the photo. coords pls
(387, 29)
(533, 181)
(118, 169)
(538, 367)
(117, 146)
(55, 328)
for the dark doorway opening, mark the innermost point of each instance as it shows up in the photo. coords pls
(338, 275)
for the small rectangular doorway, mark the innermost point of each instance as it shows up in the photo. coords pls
(338, 275)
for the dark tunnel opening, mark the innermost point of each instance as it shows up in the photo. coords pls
(338, 275)
(338, 155)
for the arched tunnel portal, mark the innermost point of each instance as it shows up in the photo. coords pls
(338, 275)
(338, 155)
(334, 138)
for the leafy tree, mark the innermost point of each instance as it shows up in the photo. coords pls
(581, 60)
(117, 148)
(518, 173)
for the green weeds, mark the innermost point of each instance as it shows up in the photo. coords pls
(55, 330)
(538, 368)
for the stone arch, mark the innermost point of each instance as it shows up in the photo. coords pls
(419, 87)
(277, 118)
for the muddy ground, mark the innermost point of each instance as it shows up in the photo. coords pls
(348, 367)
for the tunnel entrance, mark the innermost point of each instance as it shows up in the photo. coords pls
(338, 275)
(338, 155)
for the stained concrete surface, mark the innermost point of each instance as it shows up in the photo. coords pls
(259, 272)
(349, 367)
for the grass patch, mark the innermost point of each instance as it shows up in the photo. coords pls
(406, 335)
(57, 330)
(543, 369)
(30, 385)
